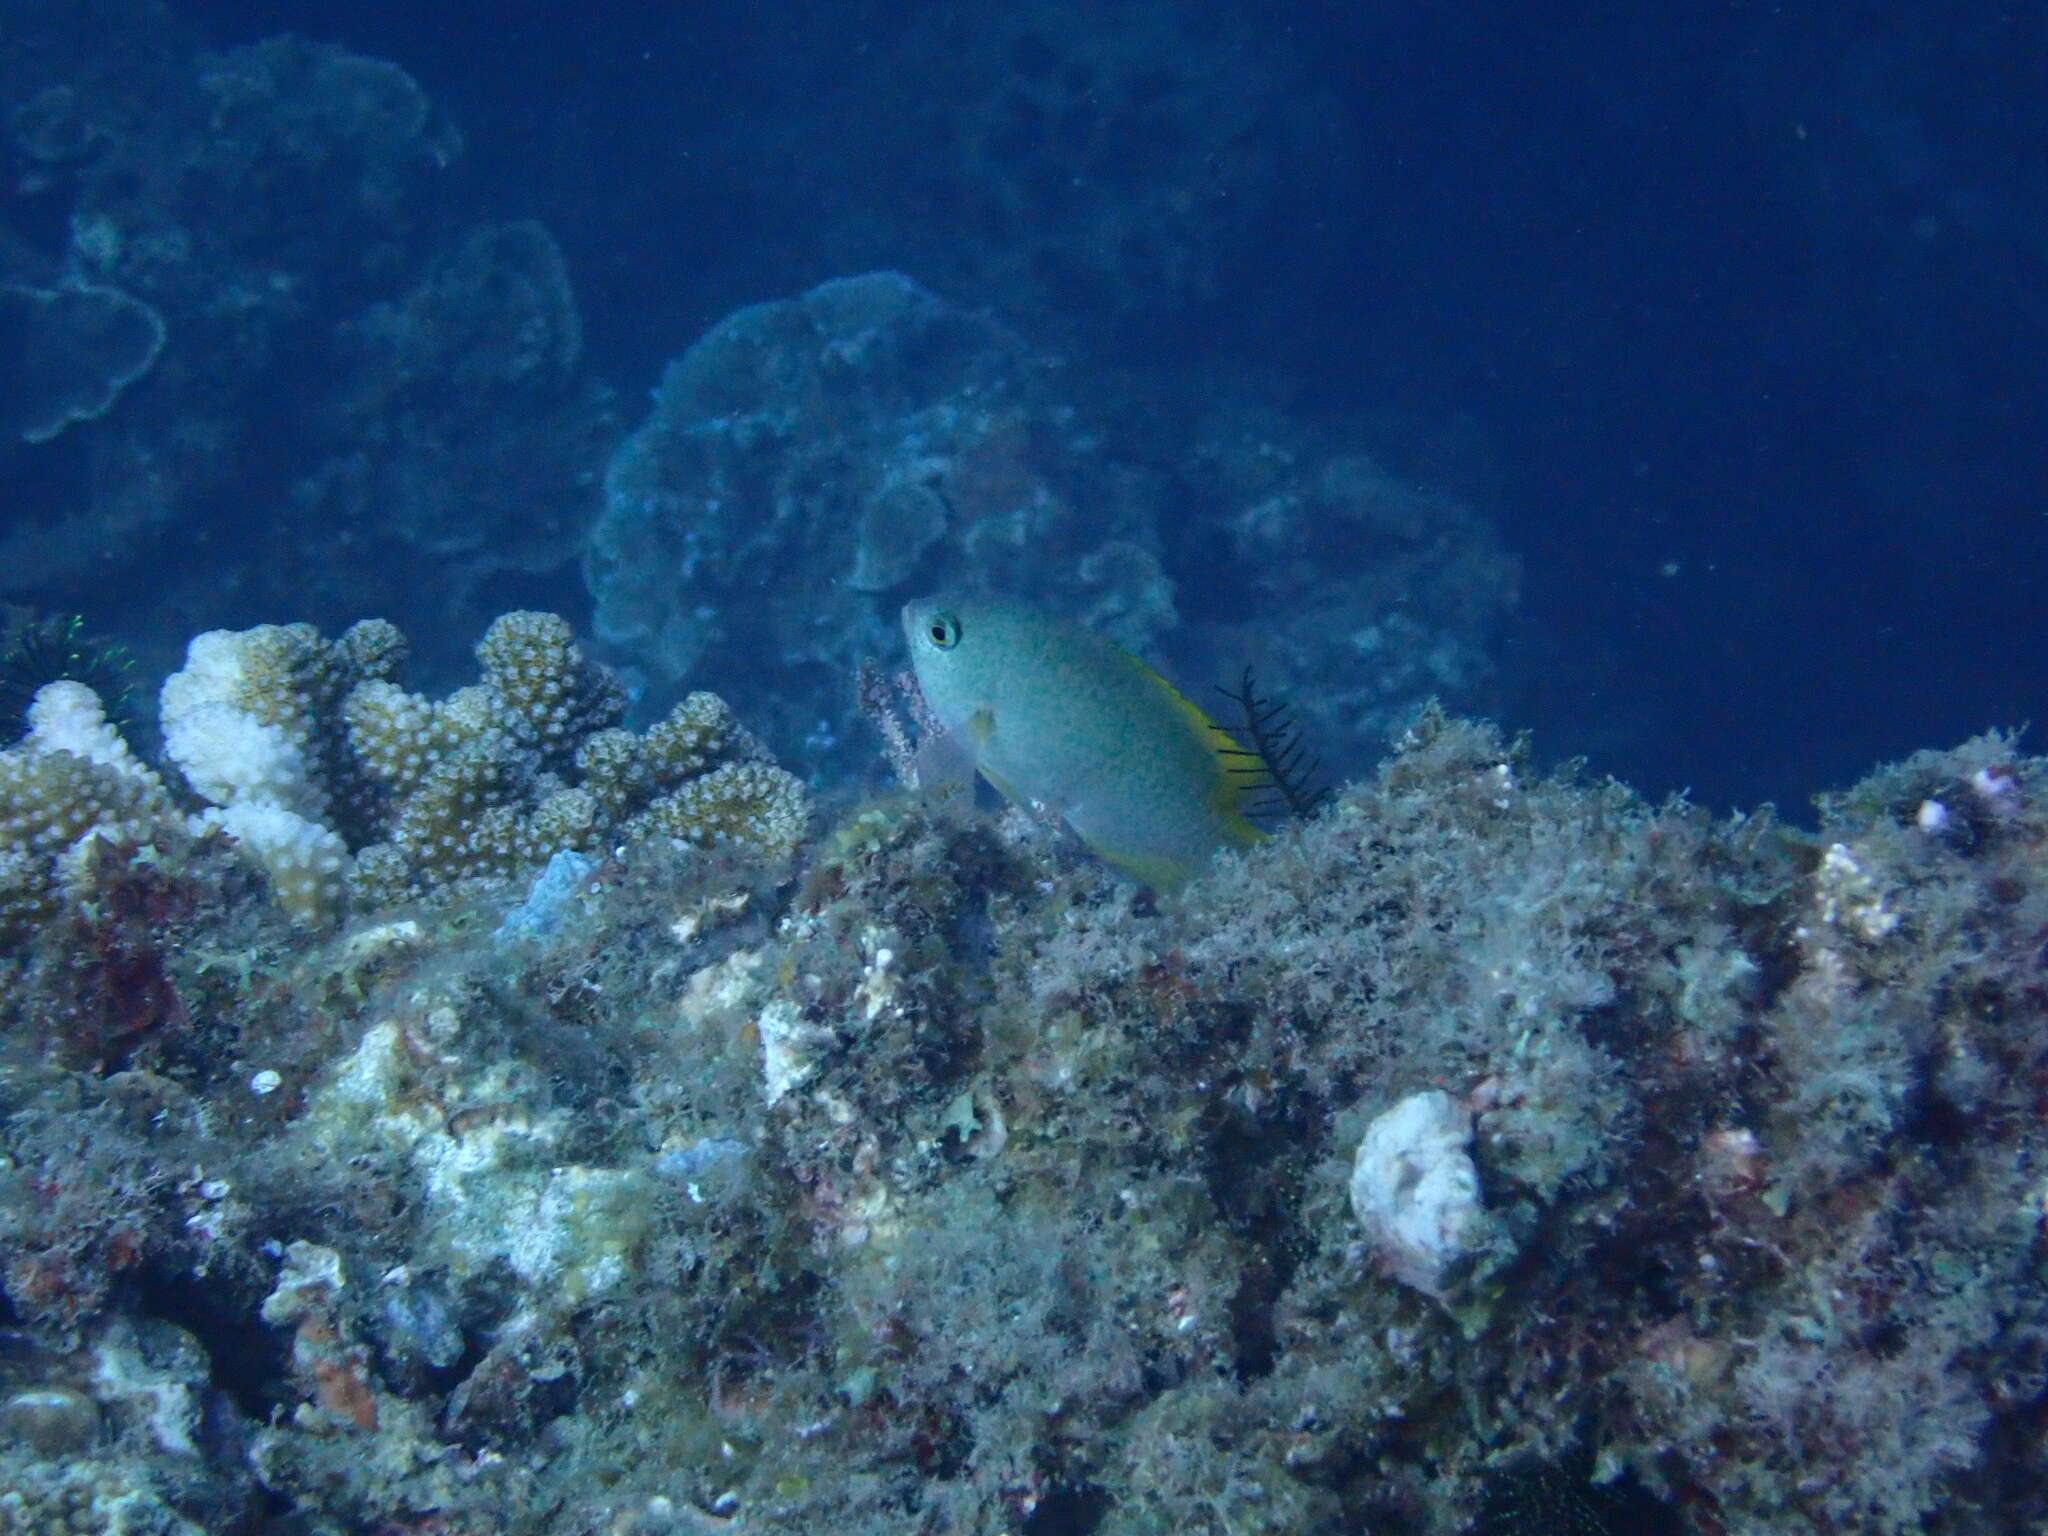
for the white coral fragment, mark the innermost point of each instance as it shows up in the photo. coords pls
(1849, 896)
(1416, 1192)
(790, 1048)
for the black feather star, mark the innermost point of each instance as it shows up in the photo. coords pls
(1274, 769)
(1558, 1500)
(51, 649)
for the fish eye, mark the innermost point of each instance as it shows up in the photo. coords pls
(943, 631)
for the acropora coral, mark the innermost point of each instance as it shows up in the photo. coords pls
(341, 786)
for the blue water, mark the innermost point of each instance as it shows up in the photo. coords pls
(1729, 319)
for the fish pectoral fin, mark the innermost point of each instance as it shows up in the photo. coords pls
(979, 728)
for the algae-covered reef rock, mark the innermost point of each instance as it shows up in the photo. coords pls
(952, 1185)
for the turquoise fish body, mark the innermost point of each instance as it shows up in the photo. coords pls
(1056, 715)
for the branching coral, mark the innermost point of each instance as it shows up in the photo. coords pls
(483, 782)
(71, 777)
(480, 783)
(335, 781)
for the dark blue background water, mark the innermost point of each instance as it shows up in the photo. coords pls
(1737, 312)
